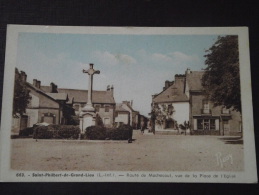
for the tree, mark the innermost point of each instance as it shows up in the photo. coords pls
(69, 115)
(21, 96)
(221, 79)
(161, 113)
(99, 121)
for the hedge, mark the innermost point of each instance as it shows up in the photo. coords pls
(116, 134)
(56, 132)
(95, 133)
(123, 132)
(26, 132)
(126, 131)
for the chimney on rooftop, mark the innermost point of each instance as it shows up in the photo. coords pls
(34, 82)
(23, 76)
(167, 84)
(108, 88)
(112, 88)
(188, 71)
(179, 78)
(38, 84)
(53, 88)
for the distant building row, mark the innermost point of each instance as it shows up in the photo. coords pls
(184, 100)
(51, 105)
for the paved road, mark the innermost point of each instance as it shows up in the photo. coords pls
(148, 152)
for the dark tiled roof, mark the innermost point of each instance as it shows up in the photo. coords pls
(130, 107)
(58, 96)
(39, 90)
(194, 80)
(166, 96)
(81, 95)
(119, 108)
(174, 93)
(46, 89)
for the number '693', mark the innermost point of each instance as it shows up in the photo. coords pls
(20, 175)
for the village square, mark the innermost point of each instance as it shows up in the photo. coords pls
(184, 129)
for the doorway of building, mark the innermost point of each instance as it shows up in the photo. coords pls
(24, 122)
(107, 121)
(226, 127)
(170, 124)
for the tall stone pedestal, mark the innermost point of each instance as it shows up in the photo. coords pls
(88, 114)
(87, 119)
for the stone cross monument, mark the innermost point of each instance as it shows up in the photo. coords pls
(87, 115)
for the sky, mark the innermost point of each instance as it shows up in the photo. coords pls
(136, 65)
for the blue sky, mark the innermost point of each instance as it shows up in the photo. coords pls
(137, 65)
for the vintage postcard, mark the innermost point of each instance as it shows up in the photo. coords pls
(127, 104)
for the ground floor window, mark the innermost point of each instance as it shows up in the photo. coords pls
(200, 124)
(97, 108)
(106, 108)
(107, 121)
(206, 124)
(48, 118)
(212, 124)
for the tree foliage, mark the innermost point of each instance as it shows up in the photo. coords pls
(69, 115)
(221, 79)
(21, 96)
(162, 113)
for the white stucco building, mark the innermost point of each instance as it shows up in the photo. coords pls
(184, 100)
(126, 114)
(173, 103)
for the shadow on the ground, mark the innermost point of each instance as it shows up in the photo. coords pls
(232, 140)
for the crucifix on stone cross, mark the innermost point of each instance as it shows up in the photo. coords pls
(90, 72)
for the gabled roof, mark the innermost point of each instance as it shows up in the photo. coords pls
(129, 106)
(46, 89)
(119, 108)
(193, 80)
(39, 90)
(59, 96)
(81, 96)
(174, 93)
(166, 96)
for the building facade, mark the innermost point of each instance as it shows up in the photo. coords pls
(172, 105)
(103, 102)
(188, 102)
(205, 118)
(41, 108)
(126, 114)
(122, 116)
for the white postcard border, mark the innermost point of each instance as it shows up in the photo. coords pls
(249, 175)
